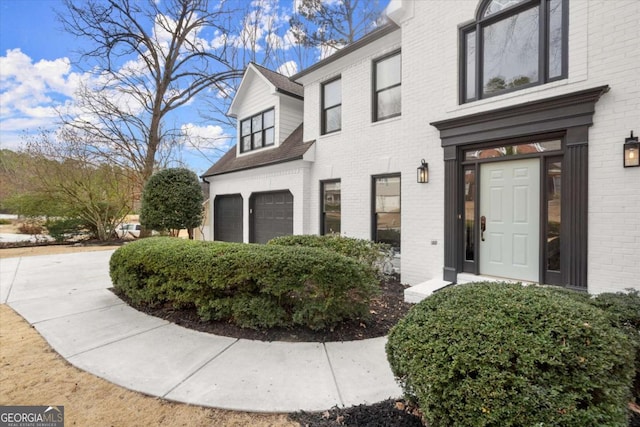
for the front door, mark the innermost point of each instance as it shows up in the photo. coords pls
(510, 219)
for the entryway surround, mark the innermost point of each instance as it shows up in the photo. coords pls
(566, 117)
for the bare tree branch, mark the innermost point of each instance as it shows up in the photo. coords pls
(149, 60)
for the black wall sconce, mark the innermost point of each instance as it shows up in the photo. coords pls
(423, 172)
(631, 152)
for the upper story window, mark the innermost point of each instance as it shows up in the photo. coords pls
(513, 44)
(257, 131)
(332, 106)
(387, 78)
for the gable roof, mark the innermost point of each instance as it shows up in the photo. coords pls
(281, 82)
(291, 148)
(277, 83)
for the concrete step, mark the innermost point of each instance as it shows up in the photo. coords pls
(471, 278)
(417, 293)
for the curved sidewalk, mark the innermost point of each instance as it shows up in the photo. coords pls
(66, 298)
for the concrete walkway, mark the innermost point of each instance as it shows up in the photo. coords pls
(66, 298)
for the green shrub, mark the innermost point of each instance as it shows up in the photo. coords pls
(5, 221)
(494, 354)
(623, 310)
(251, 285)
(172, 200)
(370, 253)
(64, 228)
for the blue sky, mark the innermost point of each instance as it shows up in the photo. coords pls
(37, 74)
(31, 26)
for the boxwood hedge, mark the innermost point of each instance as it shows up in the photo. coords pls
(365, 251)
(252, 285)
(495, 354)
(623, 310)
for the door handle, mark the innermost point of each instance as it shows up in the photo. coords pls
(483, 226)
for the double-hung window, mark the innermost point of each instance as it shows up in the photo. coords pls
(257, 131)
(331, 207)
(386, 210)
(387, 78)
(332, 106)
(513, 44)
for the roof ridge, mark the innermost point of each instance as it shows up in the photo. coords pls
(282, 83)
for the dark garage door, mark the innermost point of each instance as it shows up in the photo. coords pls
(271, 215)
(227, 225)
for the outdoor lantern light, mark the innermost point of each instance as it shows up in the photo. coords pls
(631, 152)
(423, 171)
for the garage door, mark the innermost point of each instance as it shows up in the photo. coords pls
(227, 225)
(271, 215)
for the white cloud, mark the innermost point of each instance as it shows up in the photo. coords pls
(288, 69)
(26, 85)
(30, 92)
(209, 137)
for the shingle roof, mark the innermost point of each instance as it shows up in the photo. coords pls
(281, 82)
(291, 148)
(374, 35)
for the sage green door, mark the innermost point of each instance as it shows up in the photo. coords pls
(510, 219)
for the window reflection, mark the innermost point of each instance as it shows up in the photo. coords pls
(554, 191)
(513, 44)
(555, 39)
(497, 5)
(257, 131)
(387, 84)
(471, 65)
(332, 106)
(331, 207)
(511, 52)
(513, 150)
(387, 210)
(469, 213)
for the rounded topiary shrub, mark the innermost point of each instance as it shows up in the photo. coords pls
(495, 354)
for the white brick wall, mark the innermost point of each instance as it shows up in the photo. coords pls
(290, 176)
(604, 49)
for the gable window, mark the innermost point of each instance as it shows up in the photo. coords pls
(513, 44)
(331, 207)
(332, 106)
(387, 82)
(386, 210)
(257, 131)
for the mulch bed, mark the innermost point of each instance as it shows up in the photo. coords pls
(390, 413)
(386, 309)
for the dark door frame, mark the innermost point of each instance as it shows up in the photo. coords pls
(570, 115)
(543, 157)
